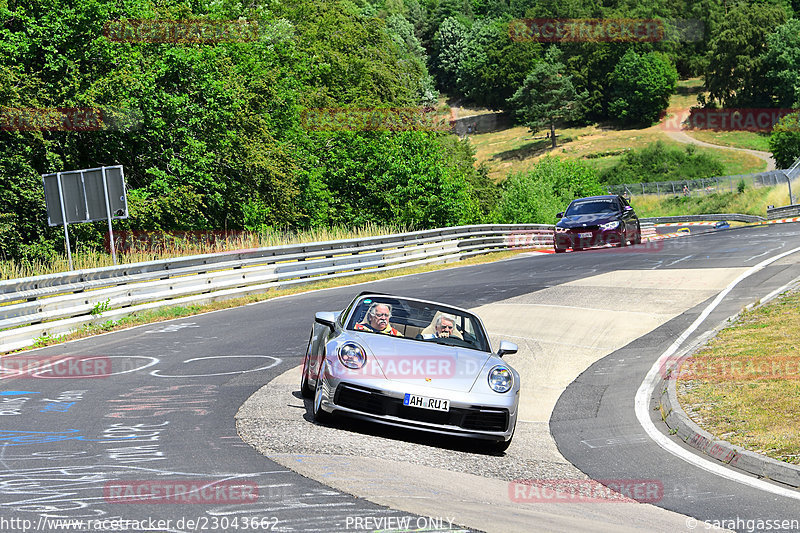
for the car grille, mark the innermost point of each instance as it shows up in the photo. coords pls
(373, 402)
(584, 230)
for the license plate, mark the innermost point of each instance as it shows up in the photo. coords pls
(585, 235)
(434, 404)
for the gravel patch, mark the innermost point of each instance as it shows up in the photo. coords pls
(277, 421)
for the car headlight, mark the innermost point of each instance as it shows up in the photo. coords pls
(501, 379)
(559, 229)
(352, 355)
(610, 225)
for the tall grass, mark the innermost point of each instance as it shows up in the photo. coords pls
(163, 245)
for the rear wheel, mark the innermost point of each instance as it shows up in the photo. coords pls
(560, 250)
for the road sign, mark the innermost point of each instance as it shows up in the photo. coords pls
(85, 196)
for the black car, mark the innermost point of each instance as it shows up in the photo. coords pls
(597, 221)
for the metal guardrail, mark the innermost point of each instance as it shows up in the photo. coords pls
(55, 304)
(783, 212)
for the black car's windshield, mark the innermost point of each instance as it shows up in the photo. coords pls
(586, 207)
(420, 321)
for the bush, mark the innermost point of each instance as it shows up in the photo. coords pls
(659, 162)
(785, 140)
(536, 196)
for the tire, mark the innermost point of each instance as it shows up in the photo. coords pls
(638, 238)
(498, 447)
(305, 389)
(320, 415)
(623, 239)
(560, 250)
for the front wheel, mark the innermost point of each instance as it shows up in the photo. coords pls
(320, 415)
(305, 389)
(498, 447)
(623, 238)
(638, 238)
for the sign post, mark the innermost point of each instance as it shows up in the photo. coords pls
(86, 196)
(64, 218)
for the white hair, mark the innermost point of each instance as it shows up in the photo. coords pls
(449, 318)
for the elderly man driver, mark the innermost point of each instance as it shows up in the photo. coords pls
(442, 328)
(377, 320)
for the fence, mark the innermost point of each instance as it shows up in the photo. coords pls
(702, 186)
(55, 304)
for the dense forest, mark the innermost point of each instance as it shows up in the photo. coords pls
(211, 131)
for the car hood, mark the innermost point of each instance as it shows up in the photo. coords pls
(424, 363)
(589, 219)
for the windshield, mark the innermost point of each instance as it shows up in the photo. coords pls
(585, 207)
(419, 321)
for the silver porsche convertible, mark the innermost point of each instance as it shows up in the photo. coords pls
(411, 363)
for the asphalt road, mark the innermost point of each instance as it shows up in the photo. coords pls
(152, 408)
(595, 426)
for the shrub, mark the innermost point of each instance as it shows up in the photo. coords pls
(534, 197)
(659, 162)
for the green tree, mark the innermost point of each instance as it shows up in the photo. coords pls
(447, 52)
(735, 72)
(784, 142)
(781, 62)
(547, 96)
(640, 87)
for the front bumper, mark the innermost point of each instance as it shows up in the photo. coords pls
(468, 417)
(583, 238)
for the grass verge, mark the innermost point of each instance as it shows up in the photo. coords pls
(744, 385)
(737, 139)
(172, 312)
(158, 245)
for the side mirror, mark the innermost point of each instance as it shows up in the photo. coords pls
(506, 348)
(560, 215)
(326, 318)
(627, 208)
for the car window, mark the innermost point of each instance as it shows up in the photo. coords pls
(344, 313)
(585, 207)
(416, 320)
